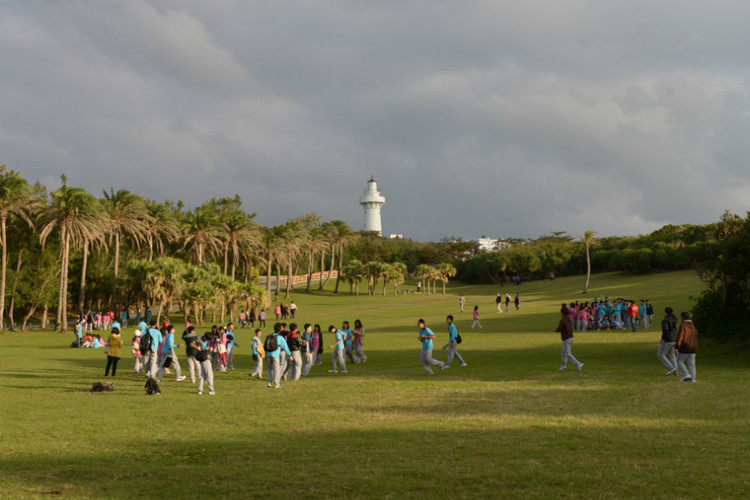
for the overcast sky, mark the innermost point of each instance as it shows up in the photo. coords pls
(497, 118)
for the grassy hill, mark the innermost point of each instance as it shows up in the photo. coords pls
(509, 425)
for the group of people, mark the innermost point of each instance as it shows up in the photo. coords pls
(603, 314)
(499, 302)
(285, 311)
(248, 317)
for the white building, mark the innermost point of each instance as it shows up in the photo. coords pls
(372, 200)
(491, 244)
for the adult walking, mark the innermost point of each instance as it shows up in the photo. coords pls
(190, 338)
(274, 367)
(499, 302)
(668, 341)
(338, 351)
(476, 318)
(359, 341)
(167, 353)
(565, 328)
(426, 337)
(151, 357)
(517, 300)
(453, 343)
(687, 346)
(114, 345)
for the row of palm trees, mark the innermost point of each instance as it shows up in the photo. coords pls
(395, 274)
(219, 230)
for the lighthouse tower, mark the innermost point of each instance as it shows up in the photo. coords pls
(372, 200)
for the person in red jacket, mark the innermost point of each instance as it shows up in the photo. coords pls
(687, 346)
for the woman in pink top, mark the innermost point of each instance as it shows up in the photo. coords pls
(476, 318)
(315, 345)
(359, 340)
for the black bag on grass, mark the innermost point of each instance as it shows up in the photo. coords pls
(152, 387)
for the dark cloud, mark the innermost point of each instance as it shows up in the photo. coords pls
(494, 118)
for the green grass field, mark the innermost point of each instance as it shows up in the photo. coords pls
(509, 425)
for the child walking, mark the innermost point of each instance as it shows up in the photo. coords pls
(476, 318)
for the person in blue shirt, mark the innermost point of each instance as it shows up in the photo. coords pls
(151, 357)
(452, 343)
(348, 341)
(426, 337)
(642, 314)
(257, 345)
(307, 354)
(167, 351)
(274, 368)
(338, 353)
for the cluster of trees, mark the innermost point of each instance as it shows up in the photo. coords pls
(722, 311)
(126, 252)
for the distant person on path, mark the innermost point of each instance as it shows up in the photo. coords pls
(426, 337)
(517, 300)
(476, 318)
(461, 302)
(453, 343)
(258, 354)
(499, 302)
(277, 311)
(114, 344)
(668, 341)
(338, 351)
(565, 328)
(687, 346)
(507, 302)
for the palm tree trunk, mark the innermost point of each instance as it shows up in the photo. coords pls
(234, 262)
(82, 290)
(385, 282)
(13, 291)
(341, 268)
(45, 313)
(4, 242)
(223, 307)
(158, 314)
(310, 257)
(278, 280)
(322, 266)
(269, 262)
(443, 287)
(289, 279)
(588, 269)
(64, 296)
(226, 258)
(58, 316)
(150, 247)
(330, 269)
(113, 300)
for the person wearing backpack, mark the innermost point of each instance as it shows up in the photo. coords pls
(151, 355)
(206, 373)
(273, 346)
(453, 337)
(167, 351)
(668, 341)
(293, 368)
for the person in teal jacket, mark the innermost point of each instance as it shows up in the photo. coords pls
(426, 337)
(274, 368)
(167, 351)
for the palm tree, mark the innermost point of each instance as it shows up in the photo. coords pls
(588, 240)
(237, 228)
(315, 244)
(15, 198)
(345, 235)
(353, 272)
(397, 275)
(75, 214)
(291, 237)
(445, 271)
(202, 233)
(268, 250)
(127, 217)
(98, 242)
(161, 226)
(329, 234)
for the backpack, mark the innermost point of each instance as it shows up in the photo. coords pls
(271, 343)
(152, 387)
(458, 338)
(145, 345)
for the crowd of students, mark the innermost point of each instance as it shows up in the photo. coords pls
(603, 314)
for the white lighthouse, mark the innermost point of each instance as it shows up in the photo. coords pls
(372, 200)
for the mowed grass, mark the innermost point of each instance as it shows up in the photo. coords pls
(509, 425)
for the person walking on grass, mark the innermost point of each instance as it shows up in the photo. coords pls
(499, 302)
(206, 373)
(307, 352)
(135, 347)
(152, 356)
(359, 341)
(258, 354)
(426, 337)
(461, 302)
(687, 346)
(274, 367)
(294, 364)
(517, 300)
(338, 351)
(194, 367)
(668, 341)
(565, 328)
(114, 345)
(453, 343)
(317, 345)
(348, 341)
(507, 302)
(167, 352)
(476, 318)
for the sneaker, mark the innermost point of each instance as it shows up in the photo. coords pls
(580, 367)
(270, 385)
(344, 371)
(671, 372)
(562, 368)
(180, 379)
(463, 365)
(333, 371)
(277, 387)
(200, 392)
(211, 392)
(443, 367)
(687, 378)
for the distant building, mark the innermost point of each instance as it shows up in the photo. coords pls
(371, 201)
(490, 244)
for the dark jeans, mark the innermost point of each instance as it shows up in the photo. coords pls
(111, 362)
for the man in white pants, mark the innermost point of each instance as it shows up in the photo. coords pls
(426, 337)
(257, 345)
(152, 356)
(190, 337)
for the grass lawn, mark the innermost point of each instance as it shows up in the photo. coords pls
(509, 425)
